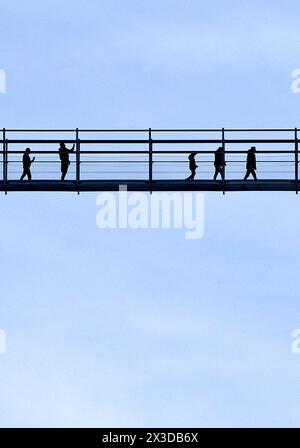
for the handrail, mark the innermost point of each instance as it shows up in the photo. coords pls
(146, 130)
(148, 144)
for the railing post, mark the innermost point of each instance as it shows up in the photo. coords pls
(3, 154)
(223, 158)
(77, 160)
(5, 168)
(296, 160)
(150, 160)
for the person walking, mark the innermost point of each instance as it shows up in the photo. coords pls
(27, 161)
(219, 163)
(192, 165)
(251, 163)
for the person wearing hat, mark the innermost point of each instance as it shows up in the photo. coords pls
(27, 161)
(192, 165)
(64, 155)
(251, 163)
(219, 163)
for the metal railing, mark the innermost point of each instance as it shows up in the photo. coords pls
(150, 155)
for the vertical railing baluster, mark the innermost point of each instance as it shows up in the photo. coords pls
(150, 160)
(5, 164)
(77, 160)
(3, 155)
(223, 158)
(296, 160)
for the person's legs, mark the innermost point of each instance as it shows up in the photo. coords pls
(191, 177)
(29, 174)
(64, 170)
(219, 170)
(23, 175)
(254, 174)
(247, 175)
(216, 173)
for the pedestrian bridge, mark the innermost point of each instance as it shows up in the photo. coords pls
(150, 159)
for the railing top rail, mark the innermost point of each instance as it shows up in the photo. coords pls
(156, 130)
(75, 129)
(154, 141)
(227, 130)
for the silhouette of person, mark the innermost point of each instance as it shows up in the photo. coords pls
(27, 161)
(251, 163)
(219, 163)
(64, 155)
(192, 165)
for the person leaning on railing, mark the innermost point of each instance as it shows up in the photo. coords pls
(64, 155)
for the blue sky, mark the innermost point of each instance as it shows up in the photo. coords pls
(145, 328)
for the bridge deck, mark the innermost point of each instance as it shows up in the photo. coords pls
(144, 185)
